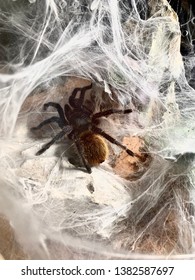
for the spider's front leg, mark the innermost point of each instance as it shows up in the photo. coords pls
(78, 102)
(59, 109)
(59, 120)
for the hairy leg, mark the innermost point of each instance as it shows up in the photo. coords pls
(79, 149)
(67, 111)
(78, 102)
(111, 139)
(110, 112)
(48, 145)
(58, 108)
(88, 168)
(48, 121)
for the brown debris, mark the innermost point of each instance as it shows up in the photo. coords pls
(9, 248)
(127, 166)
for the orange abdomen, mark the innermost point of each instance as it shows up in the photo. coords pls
(94, 147)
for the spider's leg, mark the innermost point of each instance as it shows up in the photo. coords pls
(79, 149)
(48, 145)
(112, 140)
(58, 108)
(50, 120)
(110, 112)
(67, 111)
(85, 163)
(78, 102)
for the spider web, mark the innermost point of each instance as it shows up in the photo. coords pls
(133, 47)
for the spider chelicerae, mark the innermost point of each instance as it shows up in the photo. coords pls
(80, 124)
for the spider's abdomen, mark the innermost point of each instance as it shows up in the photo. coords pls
(94, 147)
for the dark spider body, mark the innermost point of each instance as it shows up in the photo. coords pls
(79, 123)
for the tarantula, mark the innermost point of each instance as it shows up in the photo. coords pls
(79, 123)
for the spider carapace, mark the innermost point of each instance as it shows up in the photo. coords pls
(80, 124)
